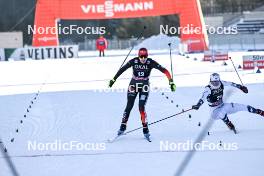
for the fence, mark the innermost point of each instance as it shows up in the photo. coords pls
(90, 44)
(217, 42)
(237, 42)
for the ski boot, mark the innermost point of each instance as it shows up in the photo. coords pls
(146, 132)
(122, 129)
(256, 111)
(260, 112)
(229, 124)
(231, 127)
(123, 125)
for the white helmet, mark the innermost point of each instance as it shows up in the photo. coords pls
(215, 80)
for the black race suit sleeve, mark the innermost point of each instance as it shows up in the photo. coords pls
(122, 69)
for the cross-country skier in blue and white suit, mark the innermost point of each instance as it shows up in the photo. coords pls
(213, 94)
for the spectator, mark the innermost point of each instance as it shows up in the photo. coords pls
(101, 45)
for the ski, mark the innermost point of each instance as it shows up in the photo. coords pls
(235, 131)
(148, 139)
(111, 140)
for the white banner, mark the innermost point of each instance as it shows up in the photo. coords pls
(2, 54)
(53, 52)
(183, 48)
(11, 39)
(212, 55)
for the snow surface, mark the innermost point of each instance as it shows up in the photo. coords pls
(71, 106)
(159, 42)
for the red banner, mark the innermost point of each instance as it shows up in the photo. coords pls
(48, 11)
(215, 55)
(253, 61)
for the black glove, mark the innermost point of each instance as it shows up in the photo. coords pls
(111, 82)
(244, 89)
(197, 106)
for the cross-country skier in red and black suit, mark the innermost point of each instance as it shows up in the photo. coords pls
(139, 84)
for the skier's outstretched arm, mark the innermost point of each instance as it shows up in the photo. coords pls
(206, 92)
(119, 72)
(167, 73)
(241, 87)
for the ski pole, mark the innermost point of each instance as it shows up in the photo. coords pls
(171, 60)
(8, 159)
(236, 71)
(202, 134)
(140, 35)
(158, 121)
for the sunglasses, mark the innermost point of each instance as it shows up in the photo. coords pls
(215, 83)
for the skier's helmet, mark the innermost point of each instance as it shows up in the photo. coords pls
(215, 80)
(143, 52)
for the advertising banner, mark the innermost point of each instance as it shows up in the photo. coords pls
(49, 11)
(252, 61)
(38, 53)
(215, 56)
